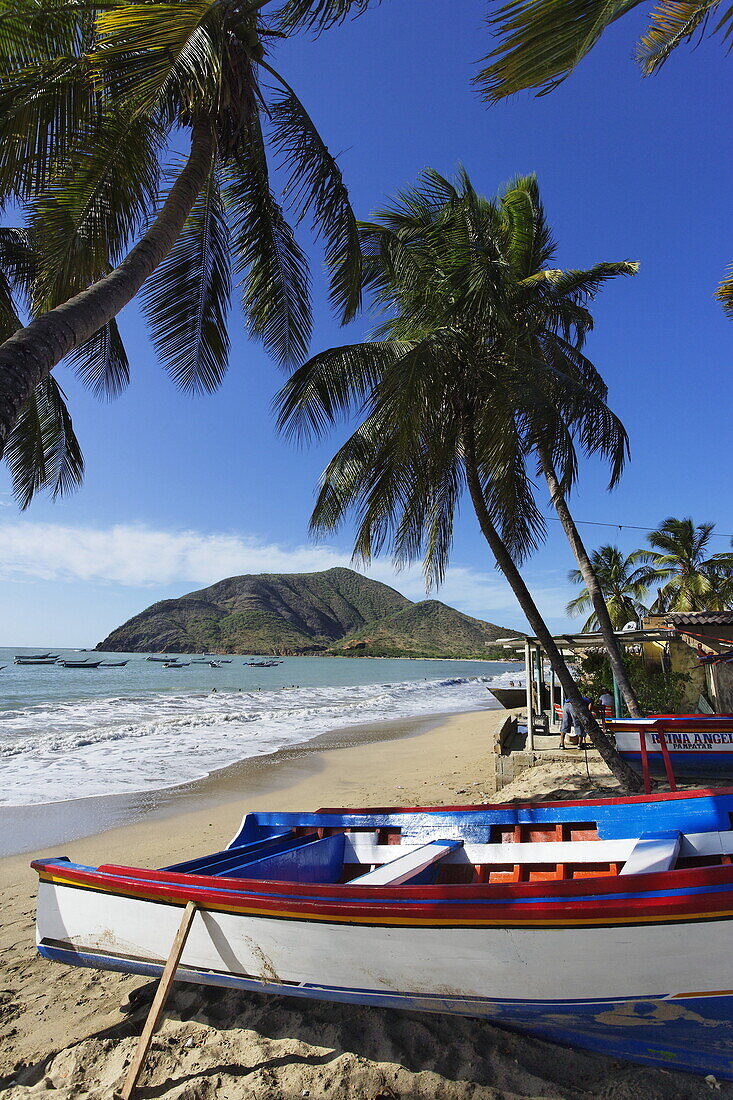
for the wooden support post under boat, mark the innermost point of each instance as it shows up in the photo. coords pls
(667, 761)
(156, 1008)
(645, 762)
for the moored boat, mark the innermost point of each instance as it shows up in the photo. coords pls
(698, 744)
(80, 664)
(604, 924)
(509, 697)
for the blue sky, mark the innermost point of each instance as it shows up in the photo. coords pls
(181, 491)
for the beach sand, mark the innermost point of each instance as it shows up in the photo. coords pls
(67, 1032)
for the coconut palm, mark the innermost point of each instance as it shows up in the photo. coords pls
(94, 102)
(454, 391)
(624, 582)
(542, 42)
(690, 579)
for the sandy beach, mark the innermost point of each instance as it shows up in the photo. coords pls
(70, 1033)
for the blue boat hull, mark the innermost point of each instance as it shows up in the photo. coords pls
(693, 1035)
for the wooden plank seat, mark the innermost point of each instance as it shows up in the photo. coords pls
(409, 865)
(226, 861)
(653, 852)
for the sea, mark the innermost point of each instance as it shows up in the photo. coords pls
(76, 733)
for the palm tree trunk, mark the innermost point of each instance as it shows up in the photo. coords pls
(591, 583)
(32, 352)
(618, 766)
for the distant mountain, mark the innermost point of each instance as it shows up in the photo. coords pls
(426, 629)
(336, 611)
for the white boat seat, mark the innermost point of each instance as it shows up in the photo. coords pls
(653, 852)
(409, 865)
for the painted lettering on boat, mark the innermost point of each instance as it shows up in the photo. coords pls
(693, 741)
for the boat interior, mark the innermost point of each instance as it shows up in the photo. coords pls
(393, 849)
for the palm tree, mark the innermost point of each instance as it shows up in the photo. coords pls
(452, 395)
(690, 579)
(93, 101)
(532, 283)
(542, 42)
(623, 582)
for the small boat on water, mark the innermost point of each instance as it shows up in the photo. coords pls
(176, 664)
(603, 924)
(509, 697)
(50, 660)
(80, 664)
(113, 664)
(34, 656)
(160, 660)
(698, 744)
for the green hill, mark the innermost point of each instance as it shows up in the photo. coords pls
(336, 611)
(426, 629)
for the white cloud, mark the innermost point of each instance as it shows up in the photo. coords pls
(142, 557)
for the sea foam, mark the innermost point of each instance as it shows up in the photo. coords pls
(124, 744)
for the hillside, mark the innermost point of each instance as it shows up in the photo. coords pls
(336, 611)
(426, 629)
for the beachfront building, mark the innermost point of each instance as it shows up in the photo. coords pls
(699, 644)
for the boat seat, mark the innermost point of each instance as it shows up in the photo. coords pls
(408, 866)
(653, 852)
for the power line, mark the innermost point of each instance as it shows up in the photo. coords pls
(627, 526)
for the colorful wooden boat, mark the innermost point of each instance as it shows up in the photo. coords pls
(698, 744)
(601, 924)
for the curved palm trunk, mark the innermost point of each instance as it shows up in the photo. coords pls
(591, 583)
(32, 352)
(625, 775)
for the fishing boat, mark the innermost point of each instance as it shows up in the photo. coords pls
(176, 664)
(113, 664)
(697, 744)
(36, 660)
(33, 656)
(603, 924)
(80, 664)
(509, 697)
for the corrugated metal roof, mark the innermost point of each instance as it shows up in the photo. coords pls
(700, 618)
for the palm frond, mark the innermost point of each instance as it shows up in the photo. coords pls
(42, 451)
(102, 363)
(45, 113)
(724, 293)
(672, 22)
(145, 47)
(187, 298)
(87, 218)
(275, 283)
(332, 384)
(319, 15)
(16, 275)
(542, 41)
(584, 285)
(315, 185)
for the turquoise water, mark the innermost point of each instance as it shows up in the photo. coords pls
(70, 733)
